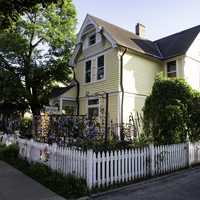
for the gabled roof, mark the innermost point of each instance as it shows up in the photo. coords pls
(128, 39)
(164, 48)
(178, 43)
(56, 92)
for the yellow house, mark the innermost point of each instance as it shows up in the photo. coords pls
(114, 69)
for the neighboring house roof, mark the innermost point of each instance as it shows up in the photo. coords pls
(128, 39)
(56, 92)
(178, 43)
(164, 48)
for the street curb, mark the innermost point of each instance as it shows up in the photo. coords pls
(140, 184)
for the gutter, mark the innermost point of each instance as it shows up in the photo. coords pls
(121, 85)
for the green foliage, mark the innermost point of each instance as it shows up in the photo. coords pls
(170, 112)
(194, 118)
(112, 144)
(142, 141)
(67, 186)
(10, 10)
(12, 93)
(26, 127)
(9, 153)
(35, 53)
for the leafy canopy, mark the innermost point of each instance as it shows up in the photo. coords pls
(10, 10)
(37, 51)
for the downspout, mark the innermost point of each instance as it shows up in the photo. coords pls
(122, 89)
(78, 91)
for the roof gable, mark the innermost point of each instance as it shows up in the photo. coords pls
(128, 39)
(164, 48)
(178, 43)
(194, 49)
(56, 92)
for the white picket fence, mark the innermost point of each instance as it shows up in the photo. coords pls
(106, 168)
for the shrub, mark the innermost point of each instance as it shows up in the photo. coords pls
(9, 153)
(67, 186)
(26, 128)
(194, 118)
(167, 111)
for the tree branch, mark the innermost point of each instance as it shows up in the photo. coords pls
(6, 65)
(37, 43)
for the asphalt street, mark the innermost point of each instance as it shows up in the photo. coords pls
(183, 185)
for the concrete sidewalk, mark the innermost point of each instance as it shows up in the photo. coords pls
(14, 185)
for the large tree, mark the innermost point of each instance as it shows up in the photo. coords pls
(10, 10)
(37, 51)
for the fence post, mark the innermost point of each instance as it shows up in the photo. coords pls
(189, 159)
(89, 168)
(152, 162)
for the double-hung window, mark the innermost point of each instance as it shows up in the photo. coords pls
(88, 67)
(171, 69)
(93, 108)
(92, 40)
(100, 67)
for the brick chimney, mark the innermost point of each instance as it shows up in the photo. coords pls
(140, 30)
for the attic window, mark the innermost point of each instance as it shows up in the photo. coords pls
(88, 28)
(92, 40)
(171, 69)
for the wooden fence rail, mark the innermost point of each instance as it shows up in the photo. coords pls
(102, 169)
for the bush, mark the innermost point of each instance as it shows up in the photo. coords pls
(67, 186)
(9, 153)
(172, 112)
(26, 128)
(194, 118)
(112, 144)
(166, 111)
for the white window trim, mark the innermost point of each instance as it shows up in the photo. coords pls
(88, 39)
(93, 106)
(171, 60)
(84, 78)
(103, 79)
(95, 80)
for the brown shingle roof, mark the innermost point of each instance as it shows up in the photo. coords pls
(128, 39)
(164, 48)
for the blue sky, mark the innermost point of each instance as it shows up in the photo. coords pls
(160, 17)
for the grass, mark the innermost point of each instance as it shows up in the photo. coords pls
(67, 186)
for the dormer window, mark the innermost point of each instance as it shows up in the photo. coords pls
(171, 69)
(92, 40)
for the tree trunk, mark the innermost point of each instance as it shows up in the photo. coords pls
(36, 121)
